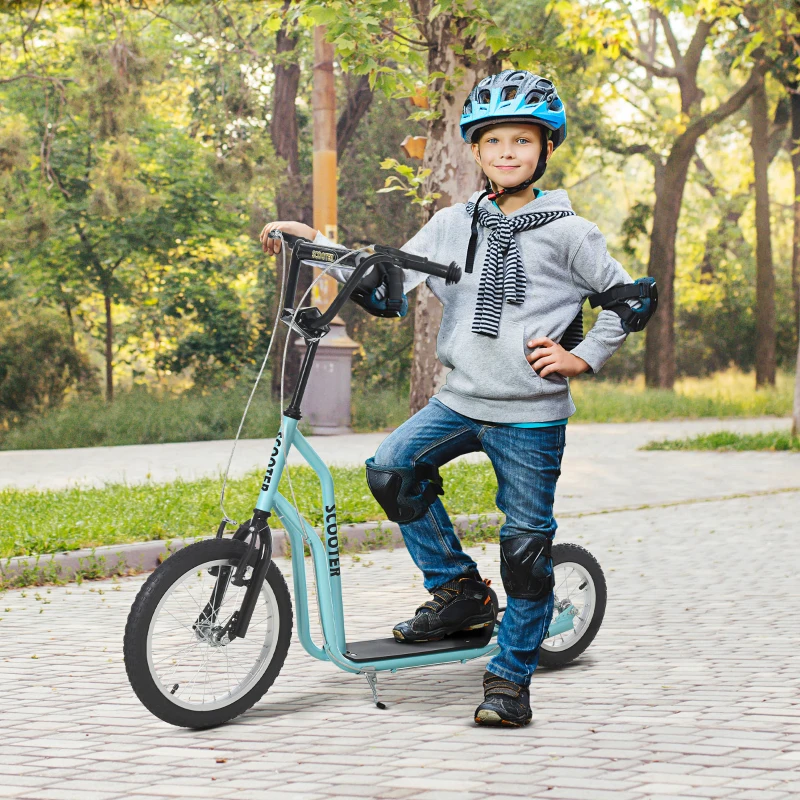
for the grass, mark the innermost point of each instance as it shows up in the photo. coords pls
(726, 394)
(727, 440)
(48, 522)
(141, 417)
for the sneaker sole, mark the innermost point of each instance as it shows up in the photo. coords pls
(487, 717)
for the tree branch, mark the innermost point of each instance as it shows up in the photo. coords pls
(730, 106)
(653, 67)
(418, 44)
(34, 77)
(629, 149)
(358, 103)
(691, 60)
(672, 42)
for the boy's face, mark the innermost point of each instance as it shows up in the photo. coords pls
(509, 151)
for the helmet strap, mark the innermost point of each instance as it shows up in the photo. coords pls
(493, 194)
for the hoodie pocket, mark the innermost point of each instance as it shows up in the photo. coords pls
(493, 369)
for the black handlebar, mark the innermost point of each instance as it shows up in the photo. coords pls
(304, 250)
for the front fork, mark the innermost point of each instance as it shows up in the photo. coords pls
(258, 555)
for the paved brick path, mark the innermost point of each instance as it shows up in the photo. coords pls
(692, 688)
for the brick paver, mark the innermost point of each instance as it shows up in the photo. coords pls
(689, 691)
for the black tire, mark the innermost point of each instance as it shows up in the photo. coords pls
(137, 634)
(564, 554)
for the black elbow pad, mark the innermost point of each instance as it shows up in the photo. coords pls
(633, 318)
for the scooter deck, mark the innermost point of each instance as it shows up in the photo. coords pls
(381, 649)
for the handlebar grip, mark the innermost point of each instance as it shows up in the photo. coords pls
(451, 273)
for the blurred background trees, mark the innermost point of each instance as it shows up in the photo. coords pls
(144, 144)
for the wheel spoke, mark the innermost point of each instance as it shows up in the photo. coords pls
(201, 676)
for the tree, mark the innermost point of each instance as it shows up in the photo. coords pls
(795, 145)
(614, 29)
(38, 362)
(113, 186)
(765, 275)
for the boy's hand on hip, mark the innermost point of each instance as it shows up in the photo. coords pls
(550, 357)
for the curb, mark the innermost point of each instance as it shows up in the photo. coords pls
(129, 559)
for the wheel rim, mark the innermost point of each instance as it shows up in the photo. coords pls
(573, 586)
(191, 667)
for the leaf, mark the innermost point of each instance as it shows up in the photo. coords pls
(322, 15)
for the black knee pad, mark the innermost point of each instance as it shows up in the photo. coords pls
(526, 566)
(399, 490)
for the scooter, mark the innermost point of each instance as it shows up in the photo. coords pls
(209, 630)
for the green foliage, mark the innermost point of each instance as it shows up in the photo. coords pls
(379, 407)
(38, 362)
(129, 192)
(409, 181)
(728, 440)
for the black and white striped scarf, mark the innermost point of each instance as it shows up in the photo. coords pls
(503, 276)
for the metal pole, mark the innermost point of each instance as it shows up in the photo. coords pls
(323, 100)
(327, 399)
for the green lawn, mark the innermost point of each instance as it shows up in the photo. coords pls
(47, 522)
(727, 440)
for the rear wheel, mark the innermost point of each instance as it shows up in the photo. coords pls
(580, 596)
(180, 661)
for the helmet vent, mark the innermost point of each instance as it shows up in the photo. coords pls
(509, 93)
(467, 107)
(533, 98)
(484, 96)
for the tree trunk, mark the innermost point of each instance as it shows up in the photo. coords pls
(796, 412)
(765, 275)
(660, 342)
(453, 174)
(109, 345)
(794, 149)
(70, 318)
(292, 199)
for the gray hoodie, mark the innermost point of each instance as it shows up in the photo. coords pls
(565, 261)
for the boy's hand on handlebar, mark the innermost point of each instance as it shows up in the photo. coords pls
(551, 357)
(273, 246)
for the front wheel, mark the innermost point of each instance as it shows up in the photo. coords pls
(579, 607)
(180, 662)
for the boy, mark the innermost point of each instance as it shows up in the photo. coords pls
(529, 263)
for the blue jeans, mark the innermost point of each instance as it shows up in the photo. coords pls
(527, 462)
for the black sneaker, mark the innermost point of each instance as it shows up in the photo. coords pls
(505, 703)
(463, 604)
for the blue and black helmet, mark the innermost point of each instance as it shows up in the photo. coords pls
(514, 96)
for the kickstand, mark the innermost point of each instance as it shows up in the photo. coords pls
(372, 680)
